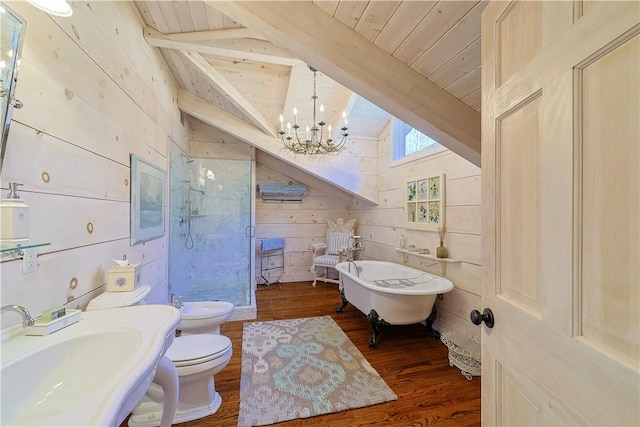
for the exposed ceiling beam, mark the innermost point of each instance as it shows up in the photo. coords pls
(338, 172)
(229, 91)
(210, 36)
(353, 61)
(158, 39)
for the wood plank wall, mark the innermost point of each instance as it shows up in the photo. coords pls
(299, 223)
(93, 92)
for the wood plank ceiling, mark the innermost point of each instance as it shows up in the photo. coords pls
(236, 69)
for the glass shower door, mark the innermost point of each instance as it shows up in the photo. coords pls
(215, 241)
(220, 223)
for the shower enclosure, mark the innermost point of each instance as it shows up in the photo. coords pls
(210, 229)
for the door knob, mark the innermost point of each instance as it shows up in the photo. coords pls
(486, 317)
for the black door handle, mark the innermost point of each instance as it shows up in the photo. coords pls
(486, 317)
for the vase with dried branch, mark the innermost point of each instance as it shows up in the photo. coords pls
(441, 251)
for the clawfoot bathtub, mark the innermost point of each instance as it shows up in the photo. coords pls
(390, 294)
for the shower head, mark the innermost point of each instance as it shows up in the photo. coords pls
(195, 189)
(187, 158)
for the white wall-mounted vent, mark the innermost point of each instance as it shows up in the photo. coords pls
(274, 192)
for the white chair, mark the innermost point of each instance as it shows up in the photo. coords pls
(327, 254)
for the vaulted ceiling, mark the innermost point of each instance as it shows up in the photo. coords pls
(240, 64)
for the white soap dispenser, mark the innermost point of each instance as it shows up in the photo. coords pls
(14, 219)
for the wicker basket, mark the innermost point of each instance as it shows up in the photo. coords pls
(467, 360)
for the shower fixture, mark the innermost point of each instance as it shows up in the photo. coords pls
(191, 211)
(187, 158)
(195, 189)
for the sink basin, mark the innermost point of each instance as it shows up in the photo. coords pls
(31, 383)
(90, 373)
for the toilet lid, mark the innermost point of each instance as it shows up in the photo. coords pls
(198, 348)
(118, 299)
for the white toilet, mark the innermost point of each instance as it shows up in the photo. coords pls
(196, 356)
(204, 317)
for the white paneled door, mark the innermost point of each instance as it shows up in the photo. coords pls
(561, 190)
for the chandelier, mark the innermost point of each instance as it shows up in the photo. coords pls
(312, 143)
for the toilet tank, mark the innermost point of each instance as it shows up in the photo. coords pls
(109, 300)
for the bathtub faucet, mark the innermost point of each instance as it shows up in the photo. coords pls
(358, 268)
(356, 246)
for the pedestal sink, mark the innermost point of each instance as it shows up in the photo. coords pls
(90, 373)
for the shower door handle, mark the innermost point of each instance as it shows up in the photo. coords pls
(250, 231)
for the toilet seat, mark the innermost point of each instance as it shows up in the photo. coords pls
(193, 350)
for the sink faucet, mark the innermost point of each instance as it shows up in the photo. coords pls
(176, 301)
(27, 320)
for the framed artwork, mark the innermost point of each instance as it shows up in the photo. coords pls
(425, 203)
(411, 212)
(411, 191)
(147, 200)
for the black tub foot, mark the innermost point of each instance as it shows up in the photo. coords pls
(376, 326)
(429, 323)
(344, 302)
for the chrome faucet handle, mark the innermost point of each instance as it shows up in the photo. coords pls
(357, 243)
(175, 300)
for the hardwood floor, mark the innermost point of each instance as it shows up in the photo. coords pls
(412, 363)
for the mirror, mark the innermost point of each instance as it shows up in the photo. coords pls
(12, 29)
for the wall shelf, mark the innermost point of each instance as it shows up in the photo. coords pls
(16, 252)
(442, 261)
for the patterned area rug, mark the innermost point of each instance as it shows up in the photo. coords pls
(301, 368)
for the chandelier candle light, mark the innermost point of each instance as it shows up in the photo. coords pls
(313, 143)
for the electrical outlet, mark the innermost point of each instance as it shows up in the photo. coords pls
(29, 261)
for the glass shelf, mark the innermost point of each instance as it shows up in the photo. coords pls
(14, 251)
